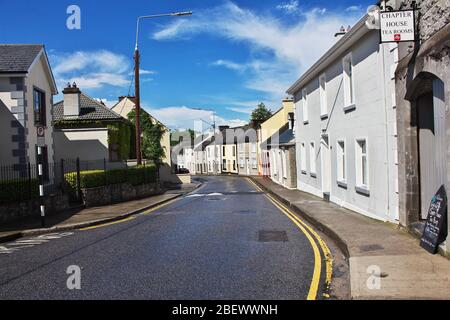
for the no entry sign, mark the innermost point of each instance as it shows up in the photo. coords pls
(397, 26)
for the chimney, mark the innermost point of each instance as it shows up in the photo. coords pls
(71, 100)
(288, 103)
(222, 128)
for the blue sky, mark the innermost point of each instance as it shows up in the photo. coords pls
(228, 56)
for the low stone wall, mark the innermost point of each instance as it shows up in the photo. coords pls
(94, 197)
(17, 210)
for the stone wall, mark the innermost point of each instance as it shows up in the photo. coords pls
(116, 193)
(18, 210)
(433, 16)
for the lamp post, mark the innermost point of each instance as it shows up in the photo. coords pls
(212, 125)
(136, 75)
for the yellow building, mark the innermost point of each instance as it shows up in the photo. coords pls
(278, 120)
(125, 106)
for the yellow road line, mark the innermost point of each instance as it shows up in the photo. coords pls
(159, 206)
(326, 251)
(107, 224)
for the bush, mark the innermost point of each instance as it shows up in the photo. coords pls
(98, 178)
(19, 190)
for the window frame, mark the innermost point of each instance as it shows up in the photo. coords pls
(341, 163)
(312, 159)
(40, 117)
(303, 166)
(305, 110)
(348, 71)
(361, 185)
(323, 96)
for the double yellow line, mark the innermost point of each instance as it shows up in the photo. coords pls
(314, 239)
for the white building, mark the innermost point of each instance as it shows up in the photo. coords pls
(346, 140)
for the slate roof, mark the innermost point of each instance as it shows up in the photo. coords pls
(90, 109)
(285, 138)
(17, 58)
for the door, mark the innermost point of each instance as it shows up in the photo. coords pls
(432, 150)
(247, 163)
(325, 164)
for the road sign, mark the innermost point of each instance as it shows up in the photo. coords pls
(40, 131)
(397, 26)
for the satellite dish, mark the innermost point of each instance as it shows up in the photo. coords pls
(373, 19)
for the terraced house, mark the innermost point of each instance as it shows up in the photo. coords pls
(27, 87)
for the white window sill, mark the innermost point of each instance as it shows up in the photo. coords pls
(305, 122)
(350, 108)
(324, 117)
(342, 184)
(314, 175)
(303, 171)
(362, 190)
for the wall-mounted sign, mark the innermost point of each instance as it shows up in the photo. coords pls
(435, 231)
(40, 131)
(397, 26)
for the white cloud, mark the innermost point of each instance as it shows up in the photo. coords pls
(354, 8)
(289, 7)
(288, 50)
(91, 69)
(177, 117)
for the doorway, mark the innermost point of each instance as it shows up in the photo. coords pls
(325, 163)
(432, 143)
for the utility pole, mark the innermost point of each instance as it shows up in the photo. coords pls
(137, 91)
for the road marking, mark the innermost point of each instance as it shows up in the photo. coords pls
(108, 224)
(159, 206)
(312, 295)
(31, 242)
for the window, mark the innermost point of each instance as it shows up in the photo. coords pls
(253, 147)
(234, 151)
(223, 153)
(284, 160)
(303, 158)
(362, 170)
(254, 163)
(348, 82)
(241, 162)
(39, 107)
(323, 96)
(312, 159)
(341, 162)
(234, 165)
(209, 152)
(305, 106)
(224, 165)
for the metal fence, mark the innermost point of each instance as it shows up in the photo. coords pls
(21, 183)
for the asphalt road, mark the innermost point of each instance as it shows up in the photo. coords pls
(224, 241)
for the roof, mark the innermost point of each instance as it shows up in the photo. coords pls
(332, 54)
(18, 58)
(282, 137)
(90, 109)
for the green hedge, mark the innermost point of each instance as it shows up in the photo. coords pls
(19, 190)
(98, 178)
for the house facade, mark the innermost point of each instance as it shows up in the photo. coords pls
(346, 136)
(247, 150)
(84, 129)
(128, 104)
(27, 87)
(267, 129)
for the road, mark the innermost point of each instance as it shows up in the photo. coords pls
(226, 240)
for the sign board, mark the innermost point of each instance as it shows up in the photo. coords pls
(40, 131)
(435, 231)
(397, 26)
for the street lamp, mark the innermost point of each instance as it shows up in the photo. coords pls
(213, 125)
(137, 82)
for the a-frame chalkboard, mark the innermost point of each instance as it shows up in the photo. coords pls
(435, 231)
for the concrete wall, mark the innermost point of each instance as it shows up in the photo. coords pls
(87, 144)
(367, 119)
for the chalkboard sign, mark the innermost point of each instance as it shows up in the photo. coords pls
(435, 231)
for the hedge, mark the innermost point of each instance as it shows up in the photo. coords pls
(19, 190)
(98, 178)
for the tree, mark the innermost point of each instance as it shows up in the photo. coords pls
(177, 136)
(152, 133)
(261, 113)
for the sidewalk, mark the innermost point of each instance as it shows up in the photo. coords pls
(406, 271)
(82, 218)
